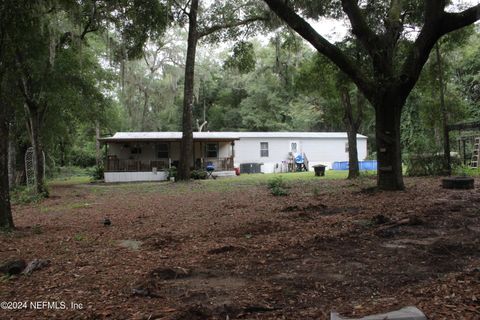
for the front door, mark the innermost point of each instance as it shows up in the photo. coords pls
(294, 147)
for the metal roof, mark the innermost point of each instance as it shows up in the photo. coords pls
(282, 134)
(135, 136)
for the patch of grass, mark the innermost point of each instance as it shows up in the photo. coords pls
(25, 195)
(466, 171)
(72, 180)
(79, 237)
(277, 186)
(222, 185)
(79, 205)
(71, 175)
(65, 207)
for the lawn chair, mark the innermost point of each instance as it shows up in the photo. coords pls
(210, 168)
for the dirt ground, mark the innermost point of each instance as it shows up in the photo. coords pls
(216, 250)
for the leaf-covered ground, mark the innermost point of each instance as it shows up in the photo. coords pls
(229, 249)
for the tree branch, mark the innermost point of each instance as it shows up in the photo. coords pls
(394, 22)
(226, 25)
(434, 28)
(25, 81)
(360, 27)
(183, 9)
(323, 46)
(454, 21)
(91, 18)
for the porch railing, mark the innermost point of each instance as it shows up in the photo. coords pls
(127, 165)
(220, 164)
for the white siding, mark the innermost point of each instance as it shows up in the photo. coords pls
(135, 176)
(317, 150)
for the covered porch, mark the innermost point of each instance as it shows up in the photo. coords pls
(157, 152)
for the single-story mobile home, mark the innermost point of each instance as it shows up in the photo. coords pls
(145, 156)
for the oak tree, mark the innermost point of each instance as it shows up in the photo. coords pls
(395, 59)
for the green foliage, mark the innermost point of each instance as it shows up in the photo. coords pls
(198, 174)
(278, 186)
(172, 173)
(79, 237)
(426, 164)
(465, 171)
(243, 58)
(97, 173)
(67, 172)
(82, 158)
(25, 195)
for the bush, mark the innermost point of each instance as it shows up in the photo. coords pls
(466, 171)
(172, 173)
(82, 158)
(25, 195)
(277, 186)
(97, 173)
(199, 174)
(427, 164)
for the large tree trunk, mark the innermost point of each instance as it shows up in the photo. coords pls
(353, 168)
(6, 220)
(35, 139)
(352, 124)
(187, 132)
(387, 131)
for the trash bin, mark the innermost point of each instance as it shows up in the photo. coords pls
(319, 170)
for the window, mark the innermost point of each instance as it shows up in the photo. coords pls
(162, 151)
(346, 146)
(136, 150)
(263, 149)
(293, 146)
(211, 149)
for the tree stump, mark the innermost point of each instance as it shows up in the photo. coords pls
(458, 183)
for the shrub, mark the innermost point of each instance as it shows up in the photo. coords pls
(172, 173)
(82, 158)
(199, 174)
(466, 171)
(277, 186)
(25, 195)
(97, 173)
(424, 164)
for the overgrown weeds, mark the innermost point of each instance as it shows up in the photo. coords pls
(25, 195)
(97, 173)
(278, 186)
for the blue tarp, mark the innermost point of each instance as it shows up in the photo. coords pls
(363, 165)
